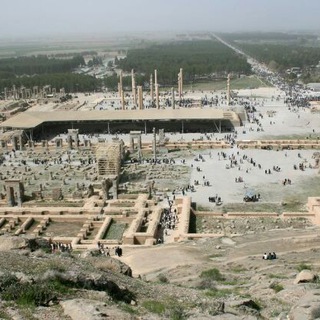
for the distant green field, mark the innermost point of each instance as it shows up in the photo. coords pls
(249, 82)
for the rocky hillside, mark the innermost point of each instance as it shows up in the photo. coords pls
(38, 284)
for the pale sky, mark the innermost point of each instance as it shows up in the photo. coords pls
(21, 18)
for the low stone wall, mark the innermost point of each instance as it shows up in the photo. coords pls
(184, 218)
(103, 229)
(197, 145)
(279, 144)
(129, 235)
(48, 211)
(134, 236)
(241, 214)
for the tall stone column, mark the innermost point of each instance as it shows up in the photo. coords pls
(134, 94)
(14, 143)
(69, 138)
(5, 93)
(122, 100)
(119, 90)
(154, 144)
(173, 98)
(151, 88)
(157, 97)
(120, 85)
(20, 143)
(155, 78)
(228, 90)
(180, 83)
(131, 144)
(15, 93)
(140, 97)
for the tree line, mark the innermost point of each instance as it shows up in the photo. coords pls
(71, 82)
(197, 58)
(266, 37)
(42, 70)
(39, 65)
(282, 57)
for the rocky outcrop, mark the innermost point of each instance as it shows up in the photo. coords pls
(90, 281)
(84, 309)
(11, 243)
(305, 276)
(94, 252)
(119, 267)
(307, 308)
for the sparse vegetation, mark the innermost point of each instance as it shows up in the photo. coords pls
(315, 314)
(218, 293)
(154, 306)
(277, 287)
(115, 230)
(162, 278)
(303, 266)
(238, 269)
(276, 276)
(212, 274)
(32, 294)
(4, 315)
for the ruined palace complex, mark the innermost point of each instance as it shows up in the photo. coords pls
(104, 168)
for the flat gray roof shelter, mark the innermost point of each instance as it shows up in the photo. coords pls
(30, 120)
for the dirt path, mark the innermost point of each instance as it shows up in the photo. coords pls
(247, 250)
(153, 260)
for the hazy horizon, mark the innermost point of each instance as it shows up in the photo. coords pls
(40, 18)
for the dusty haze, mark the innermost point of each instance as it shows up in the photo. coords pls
(23, 18)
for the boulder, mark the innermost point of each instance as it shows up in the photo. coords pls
(91, 253)
(305, 276)
(85, 309)
(90, 281)
(11, 243)
(307, 308)
(119, 266)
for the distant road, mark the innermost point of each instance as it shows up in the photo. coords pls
(254, 63)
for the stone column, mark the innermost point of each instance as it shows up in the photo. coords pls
(29, 94)
(20, 143)
(15, 93)
(228, 90)
(134, 94)
(151, 88)
(180, 83)
(120, 86)
(35, 91)
(69, 138)
(139, 143)
(122, 100)
(140, 97)
(155, 78)
(173, 99)
(131, 144)
(14, 143)
(77, 141)
(157, 97)
(154, 144)
(5, 94)
(58, 142)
